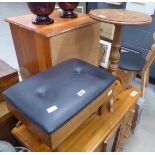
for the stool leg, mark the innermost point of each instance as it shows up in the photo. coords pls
(147, 77)
(125, 76)
(100, 110)
(111, 104)
(143, 82)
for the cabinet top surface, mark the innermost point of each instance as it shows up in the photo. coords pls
(60, 24)
(120, 17)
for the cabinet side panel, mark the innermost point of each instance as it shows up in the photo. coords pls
(43, 52)
(15, 30)
(32, 50)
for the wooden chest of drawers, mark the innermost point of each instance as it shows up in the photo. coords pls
(8, 77)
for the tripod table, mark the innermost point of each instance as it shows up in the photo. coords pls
(118, 17)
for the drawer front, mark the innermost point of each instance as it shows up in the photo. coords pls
(126, 127)
(7, 82)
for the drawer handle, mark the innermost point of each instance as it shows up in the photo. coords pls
(129, 124)
(132, 111)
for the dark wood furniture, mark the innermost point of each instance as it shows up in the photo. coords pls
(118, 17)
(7, 123)
(99, 133)
(8, 77)
(39, 47)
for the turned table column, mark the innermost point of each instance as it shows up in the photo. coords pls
(115, 54)
(118, 17)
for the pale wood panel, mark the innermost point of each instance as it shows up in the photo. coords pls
(62, 133)
(89, 136)
(31, 142)
(82, 43)
(32, 50)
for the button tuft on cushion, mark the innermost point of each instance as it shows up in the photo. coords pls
(78, 70)
(42, 93)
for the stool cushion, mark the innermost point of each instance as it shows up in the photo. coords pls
(131, 61)
(51, 98)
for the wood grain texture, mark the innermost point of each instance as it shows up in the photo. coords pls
(125, 128)
(93, 132)
(82, 43)
(60, 25)
(120, 17)
(8, 77)
(32, 50)
(31, 142)
(7, 123)
(39, 133)
(4, 112)
(39, 47)
(115, 51)
(62, 133)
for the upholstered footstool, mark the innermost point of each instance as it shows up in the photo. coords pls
(53, 103)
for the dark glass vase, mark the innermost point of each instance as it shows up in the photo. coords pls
(42, 10)
(68, 9)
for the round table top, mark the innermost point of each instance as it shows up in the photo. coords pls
(120, 16)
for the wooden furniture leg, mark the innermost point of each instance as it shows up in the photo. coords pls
(143, 82)
(125, 76)
(115, 51)
(147, 77)
(111, 104)
(100, 110)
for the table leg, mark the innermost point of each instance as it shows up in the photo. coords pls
(115, 50)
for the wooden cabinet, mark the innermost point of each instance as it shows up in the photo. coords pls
(125, 128)
(109, 142)
(7, 123)
(107, 132)
(8, 77)
(39, 47)
(117, 138)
